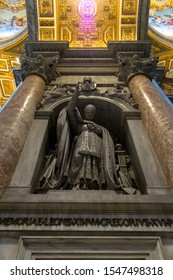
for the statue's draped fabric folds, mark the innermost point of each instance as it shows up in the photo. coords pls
(84, 157)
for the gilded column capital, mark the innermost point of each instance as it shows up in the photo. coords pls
(129, 67)
(46, 68)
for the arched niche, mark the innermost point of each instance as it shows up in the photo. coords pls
(111, 113)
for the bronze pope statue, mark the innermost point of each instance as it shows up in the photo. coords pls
(84, 157)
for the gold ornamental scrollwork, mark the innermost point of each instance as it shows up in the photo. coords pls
(129, 7)
(46, 8)
(161, 5)
(88, 23)
(14, 6)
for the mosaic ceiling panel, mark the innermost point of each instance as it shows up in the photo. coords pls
(87, 23)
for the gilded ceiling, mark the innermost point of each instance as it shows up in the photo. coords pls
(7, 83)
(87, 23)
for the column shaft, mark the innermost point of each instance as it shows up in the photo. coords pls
(157, 116)
(15, 122)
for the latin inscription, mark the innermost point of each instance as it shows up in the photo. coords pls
(84, 222)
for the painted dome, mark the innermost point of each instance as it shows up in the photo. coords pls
(13, 22)
(161, 21)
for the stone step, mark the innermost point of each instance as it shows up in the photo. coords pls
(87, 70)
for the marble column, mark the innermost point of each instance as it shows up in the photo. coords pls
(156, 112)
(15, 122)
(157, 116)
(17, 116)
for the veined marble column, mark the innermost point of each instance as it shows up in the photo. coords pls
(15, 122)
(157, 116)
(17, 116)
(156, 112)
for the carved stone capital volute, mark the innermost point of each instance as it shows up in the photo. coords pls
(129, 67)
(46, 68)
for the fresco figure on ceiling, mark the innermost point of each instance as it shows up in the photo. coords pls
(84, 157)
(12, 24)
(160, 18)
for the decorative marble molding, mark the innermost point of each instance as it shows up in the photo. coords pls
(90, 247)
(32, 23)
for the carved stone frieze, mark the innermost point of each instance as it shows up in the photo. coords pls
(121, 92)
(88, 88)
(53, 93)
(44, 67)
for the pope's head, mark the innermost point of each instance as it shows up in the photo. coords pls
(89, 112)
